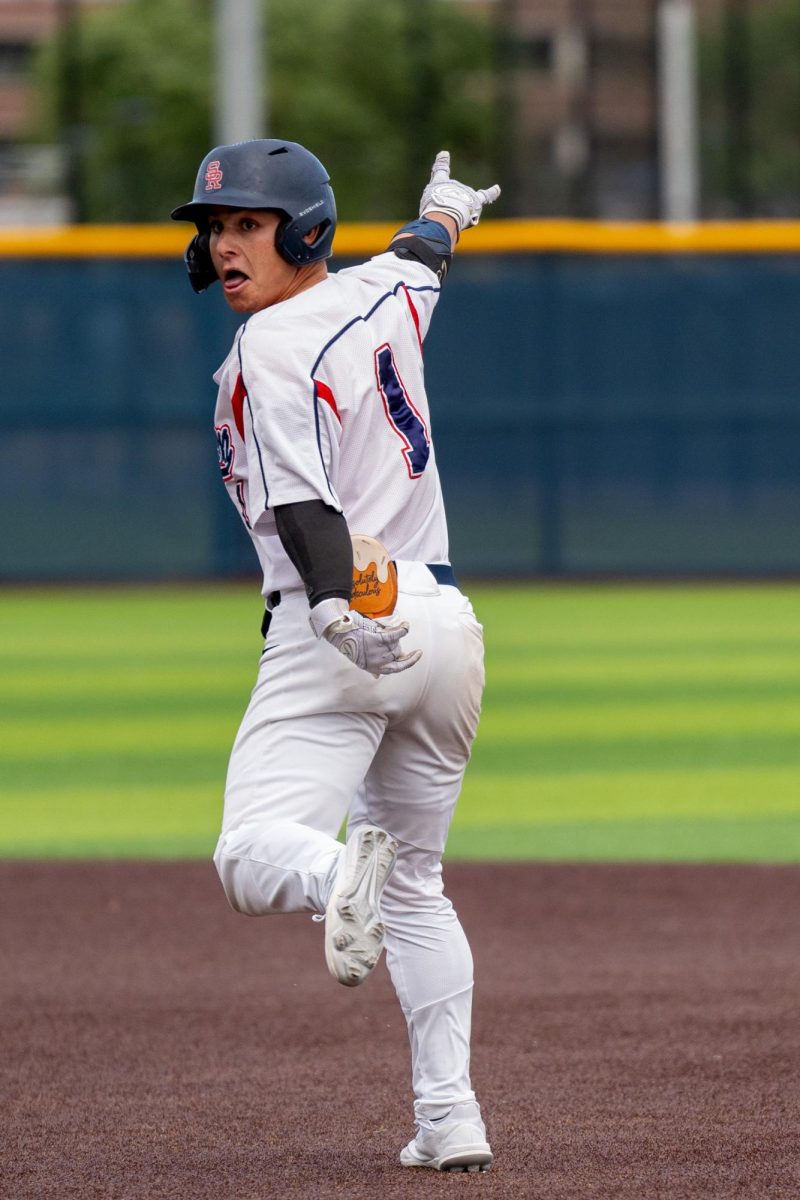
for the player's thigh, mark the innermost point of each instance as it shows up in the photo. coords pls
(411, 789)
(305, 768)
(415, 778)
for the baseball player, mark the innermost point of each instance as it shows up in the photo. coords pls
(369, 686)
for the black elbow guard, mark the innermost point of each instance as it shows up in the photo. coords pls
(427, 242)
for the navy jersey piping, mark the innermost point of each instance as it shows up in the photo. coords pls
(255, 435)
(366, 316)
(319, 441)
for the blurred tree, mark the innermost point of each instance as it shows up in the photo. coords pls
(750, 75)
(374, 89)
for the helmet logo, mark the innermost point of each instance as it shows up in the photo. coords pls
(311, 207)
(213, 176)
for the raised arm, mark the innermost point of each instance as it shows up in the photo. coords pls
(446, 208)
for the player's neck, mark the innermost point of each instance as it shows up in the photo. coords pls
(305, 278)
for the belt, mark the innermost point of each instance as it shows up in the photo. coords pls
(273, 600)
(443, 573)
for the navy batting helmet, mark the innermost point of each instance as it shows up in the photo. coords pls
(263, 173)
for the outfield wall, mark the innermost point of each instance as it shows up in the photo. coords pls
(606, 399)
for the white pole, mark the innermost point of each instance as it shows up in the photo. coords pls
(678, 115)
(241, 83)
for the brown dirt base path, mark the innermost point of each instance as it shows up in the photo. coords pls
(636, 1035)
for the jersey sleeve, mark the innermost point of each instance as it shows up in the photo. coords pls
(418, 283)
(294, 441)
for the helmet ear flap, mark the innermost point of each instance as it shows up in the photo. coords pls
(197, 257)
(291, 244)
(285, 233)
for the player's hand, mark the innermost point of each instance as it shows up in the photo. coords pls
(447, 195)
(371, 645)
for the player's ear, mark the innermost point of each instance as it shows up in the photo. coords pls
(312, 235)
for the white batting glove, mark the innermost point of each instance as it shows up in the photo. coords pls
(370, 645)
(447, 195)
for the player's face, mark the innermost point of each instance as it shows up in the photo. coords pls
(252, 272)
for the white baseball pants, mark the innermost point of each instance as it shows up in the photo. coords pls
(323, 741)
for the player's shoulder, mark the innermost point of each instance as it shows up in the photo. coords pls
(296, 329)
(284, 340)
(290, 337)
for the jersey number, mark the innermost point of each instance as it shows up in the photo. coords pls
(401, 414)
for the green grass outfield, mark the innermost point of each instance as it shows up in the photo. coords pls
(619, 722)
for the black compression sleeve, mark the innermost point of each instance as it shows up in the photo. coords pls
(317, 540)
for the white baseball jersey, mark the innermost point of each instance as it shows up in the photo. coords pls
(322, 397)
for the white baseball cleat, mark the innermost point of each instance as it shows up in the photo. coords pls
(457, 1142)
(354, 931)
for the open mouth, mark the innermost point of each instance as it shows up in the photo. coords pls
(232, 280)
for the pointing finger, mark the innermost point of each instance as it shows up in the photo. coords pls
(441, 166)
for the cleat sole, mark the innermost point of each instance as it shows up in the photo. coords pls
(354, 934)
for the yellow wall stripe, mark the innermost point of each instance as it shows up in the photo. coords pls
(491, 237)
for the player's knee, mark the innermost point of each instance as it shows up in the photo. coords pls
(416, 882)
(232, 870)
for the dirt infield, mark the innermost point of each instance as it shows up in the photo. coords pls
(636, 1036)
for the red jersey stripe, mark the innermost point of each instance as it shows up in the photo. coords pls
(237, 404)
(414, 315)
(324, 393)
